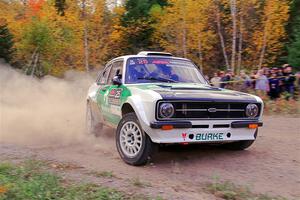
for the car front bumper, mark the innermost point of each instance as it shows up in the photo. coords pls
(202, 132)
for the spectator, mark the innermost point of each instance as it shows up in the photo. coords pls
(298, 81)
(289, 80)
(267, 72)
(274, 83)
(261, 83)
(245, 83)
(225, 78)
(215, 81)
(280, 72)
(280, 75)
(252, 77)
(206, 77)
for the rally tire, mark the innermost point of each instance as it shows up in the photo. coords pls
(146, 147)
(239, 145)
(92, 126)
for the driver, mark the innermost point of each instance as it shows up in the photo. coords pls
(164, 71)
(135, 72)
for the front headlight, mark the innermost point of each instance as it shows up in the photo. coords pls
(166, 110)
(251, 110)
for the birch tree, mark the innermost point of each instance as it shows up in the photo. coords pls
(234, 33)
(222, 42)
(85, 34)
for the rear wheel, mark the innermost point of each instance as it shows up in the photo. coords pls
(133, 144)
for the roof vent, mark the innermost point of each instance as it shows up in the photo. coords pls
(154, 53)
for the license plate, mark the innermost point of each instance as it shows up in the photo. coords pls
(209, 136)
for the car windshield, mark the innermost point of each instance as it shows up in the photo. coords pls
(156, 69)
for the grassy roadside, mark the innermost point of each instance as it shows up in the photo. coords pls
(32, 180)
(229, 191)
(282, 107)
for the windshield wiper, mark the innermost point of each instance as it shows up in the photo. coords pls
(158, 79)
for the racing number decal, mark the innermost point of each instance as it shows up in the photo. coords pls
(114, 96)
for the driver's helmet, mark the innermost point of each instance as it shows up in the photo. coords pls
(135, 72)
(164, 69)
(141, 72)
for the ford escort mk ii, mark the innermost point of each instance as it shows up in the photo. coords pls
(154, 98)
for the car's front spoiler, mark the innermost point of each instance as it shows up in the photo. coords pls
(188, 124)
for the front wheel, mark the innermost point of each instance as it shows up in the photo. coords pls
(133, 144)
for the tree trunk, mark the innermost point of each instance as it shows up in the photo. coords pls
(86, 49)
(85, 37)
(178, 39)
(200, 52)
(184, 42)
(240, 50)
(35, 64)
(184, 48)
(233, 15)
(263, 49)
(31, 60)
(222, 39)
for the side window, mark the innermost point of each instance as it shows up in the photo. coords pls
(99, 76)
(103, 77)
(116, 70)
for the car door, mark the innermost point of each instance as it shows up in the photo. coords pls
(102, 90)
(109, 94)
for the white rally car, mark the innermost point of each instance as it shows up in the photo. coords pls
(154, 98)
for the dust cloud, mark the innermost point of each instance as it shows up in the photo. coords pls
(46, 111)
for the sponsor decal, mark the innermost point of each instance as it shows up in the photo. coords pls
(114, 96)
(160, 62)
(142, 61)
(181, 63)
(183, 136)
(131, 62)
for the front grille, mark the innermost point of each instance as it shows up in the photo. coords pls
(207, 110)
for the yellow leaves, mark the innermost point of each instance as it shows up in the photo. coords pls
(3, 189)
(116, 35)
(184, 26)
(192, 24)
(275, 17)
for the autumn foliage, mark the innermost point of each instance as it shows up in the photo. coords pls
(34, 7)
(52, 36)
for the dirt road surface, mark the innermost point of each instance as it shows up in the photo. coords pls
(271, 166)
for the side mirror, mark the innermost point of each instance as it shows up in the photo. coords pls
(117, 81)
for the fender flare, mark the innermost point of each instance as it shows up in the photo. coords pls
(138, 107)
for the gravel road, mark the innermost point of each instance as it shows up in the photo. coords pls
(270, 166)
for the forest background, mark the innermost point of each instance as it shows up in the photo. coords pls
(44, 37)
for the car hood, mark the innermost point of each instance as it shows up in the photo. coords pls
(191, 91)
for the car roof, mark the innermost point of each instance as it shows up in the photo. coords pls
(144, 55)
